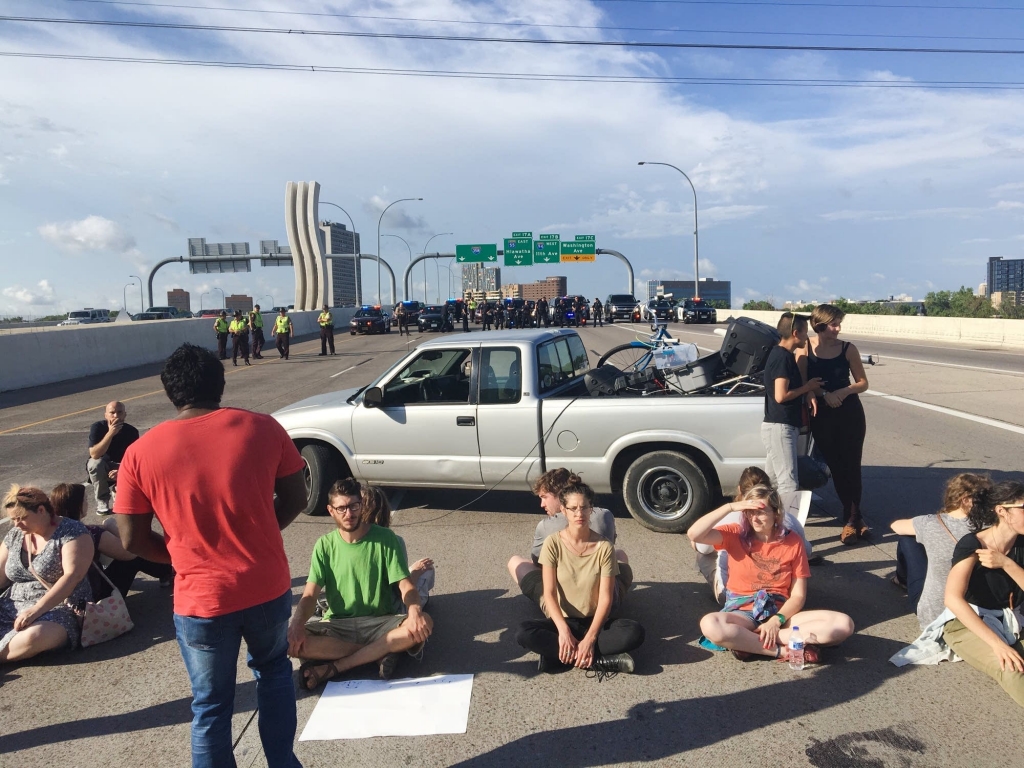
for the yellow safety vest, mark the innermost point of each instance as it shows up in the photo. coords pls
(282, 324)
(257, 319)
(326, 319)
(237, 326)
(221, 325)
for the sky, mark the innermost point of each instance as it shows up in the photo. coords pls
(809, 184)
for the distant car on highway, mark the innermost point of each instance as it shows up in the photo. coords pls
(209, 312)
(657, 309)
(171, 312)
(619, 306)
(430, 318)
(696, 311)
(369, 319)
(412, 311)
(152, 316)
(90, 315)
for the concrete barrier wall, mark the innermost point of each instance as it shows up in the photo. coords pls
(49, 355)
(976, 332)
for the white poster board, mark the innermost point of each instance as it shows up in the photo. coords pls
(359, 709)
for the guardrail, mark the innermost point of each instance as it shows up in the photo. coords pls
(977, 332)
(49, 355)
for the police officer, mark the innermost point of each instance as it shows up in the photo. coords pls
(326, 323)
(283, 332)
(221, 328)
(598, 312)
(487, 315)
(463, 309)
(542, 312)
(239, 330)
(403, 319)
(256, 326)
(472, 310)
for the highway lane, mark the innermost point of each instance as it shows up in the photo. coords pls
(685, 705)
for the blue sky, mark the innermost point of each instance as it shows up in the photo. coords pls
(804, 192)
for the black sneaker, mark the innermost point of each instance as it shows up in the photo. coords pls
(388, 665)
(619, 662)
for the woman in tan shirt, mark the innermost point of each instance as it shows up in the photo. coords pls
(579, 570)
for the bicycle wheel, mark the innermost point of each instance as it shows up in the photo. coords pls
(627, 357)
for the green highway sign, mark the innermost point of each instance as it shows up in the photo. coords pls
(583, 248)
(545, 250)
(480, 252)
(519, 249)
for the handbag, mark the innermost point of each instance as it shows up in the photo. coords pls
(101, 620)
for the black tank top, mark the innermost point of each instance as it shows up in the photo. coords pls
(833, 371)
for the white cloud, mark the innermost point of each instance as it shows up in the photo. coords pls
(41, 295)
(877, 276)
(93, 233)
(1009, 205)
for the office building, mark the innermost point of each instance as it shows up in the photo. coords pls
(179, 299)
(477, 277)
(512, 291)
(548, 288)
(238, 302)
(1005, 274)
(344, 276)
(1014, 298)
(710, 290)
(982, 289)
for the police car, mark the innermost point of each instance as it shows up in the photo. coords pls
(697, 311)
(431, 318)
(369, 319)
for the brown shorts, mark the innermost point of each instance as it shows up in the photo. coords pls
(358, 630)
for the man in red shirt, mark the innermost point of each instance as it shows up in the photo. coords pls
(209, 476)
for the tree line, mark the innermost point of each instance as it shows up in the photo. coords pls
(960, 303)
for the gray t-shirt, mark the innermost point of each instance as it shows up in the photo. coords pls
(602, 522)
(938, 544)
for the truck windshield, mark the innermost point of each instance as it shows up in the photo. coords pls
(621, 298)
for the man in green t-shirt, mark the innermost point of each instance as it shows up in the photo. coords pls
(356, 565)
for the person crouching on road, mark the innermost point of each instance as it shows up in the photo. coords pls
(356, 565)
(784, 393)
(222, 328)
(256, 324)
(527, 572)
(283, 332)
(578, 571)
(766, 588)
(109, 438)
(239, 330)
(326, 322)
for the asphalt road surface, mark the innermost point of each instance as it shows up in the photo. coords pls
(944, 410)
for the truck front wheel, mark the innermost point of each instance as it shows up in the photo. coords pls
(322, 469)
(665, 491)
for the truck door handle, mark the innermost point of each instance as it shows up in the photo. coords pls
(465, 421)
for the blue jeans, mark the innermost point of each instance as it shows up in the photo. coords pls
(210, 650)
(911, 567)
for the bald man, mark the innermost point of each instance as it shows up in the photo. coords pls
(108, 440)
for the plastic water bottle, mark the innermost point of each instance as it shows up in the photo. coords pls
(796, 650)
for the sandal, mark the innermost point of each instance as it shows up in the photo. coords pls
(313, 680)
(848, 535)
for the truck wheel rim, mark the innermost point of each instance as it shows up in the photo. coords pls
(664, 493)
(307, 478)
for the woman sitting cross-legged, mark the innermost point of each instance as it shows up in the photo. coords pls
(767, 583)
(578, 569)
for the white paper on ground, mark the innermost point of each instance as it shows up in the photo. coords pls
(359, 709)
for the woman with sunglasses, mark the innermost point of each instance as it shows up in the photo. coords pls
(579, 569)
(44, 560)
(985, 584)
(837, 416)
(766, 588)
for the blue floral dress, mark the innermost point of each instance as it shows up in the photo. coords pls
(25, 591)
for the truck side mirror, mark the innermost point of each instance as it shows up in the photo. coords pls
(373, 397)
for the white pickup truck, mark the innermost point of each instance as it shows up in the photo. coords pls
(495, 410)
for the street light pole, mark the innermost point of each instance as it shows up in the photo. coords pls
(696, 261)
(124, 295)
(356, 269)
(388, 234)
(223, 298)
(439, 234)
(204, 293)
(142, 301)
(403, 200)
(271, 300)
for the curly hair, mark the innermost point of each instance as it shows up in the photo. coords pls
(554, 480)
(983, 509)
(193, 375)
(961, 489)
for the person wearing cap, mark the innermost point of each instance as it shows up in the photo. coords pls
(256, 325)
(283, 331)
(239, 330)
(326, 323)
(221, 327)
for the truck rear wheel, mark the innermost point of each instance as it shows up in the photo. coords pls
(322, 469)
(665, 491)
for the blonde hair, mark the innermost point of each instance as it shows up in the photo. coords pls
(27, 498)
(769, 495)
(825, 314)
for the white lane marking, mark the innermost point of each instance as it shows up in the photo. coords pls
(952, 365)
(335, 375)
(639, 333)
(950, 412)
